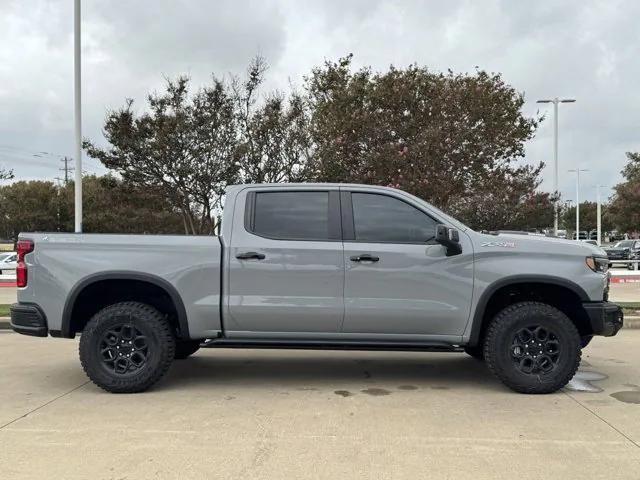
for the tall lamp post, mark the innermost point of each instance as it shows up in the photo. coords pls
(555, 102)
(577, 171)
(77, 116)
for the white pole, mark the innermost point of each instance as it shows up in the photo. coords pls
(77, 114)
(598, 214)
(555, 164)
(577, 204)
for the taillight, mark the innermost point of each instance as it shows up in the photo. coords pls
(23, 247)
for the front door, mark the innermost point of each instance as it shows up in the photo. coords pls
(286, 268)
(397, 280)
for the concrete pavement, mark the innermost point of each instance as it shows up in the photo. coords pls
(315, 414)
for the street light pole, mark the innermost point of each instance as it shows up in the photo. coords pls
(555, 102)
(77, 115)
(577, 171)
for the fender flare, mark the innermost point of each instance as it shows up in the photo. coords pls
(123, 275)
(492, 288)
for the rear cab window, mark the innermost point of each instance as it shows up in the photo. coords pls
(293, 215)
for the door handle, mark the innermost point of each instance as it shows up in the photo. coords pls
(250, 255)
(365, 257)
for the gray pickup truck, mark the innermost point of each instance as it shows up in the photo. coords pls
(326, 266)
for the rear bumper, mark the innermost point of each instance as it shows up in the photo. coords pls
(29, 319)
(606, 318)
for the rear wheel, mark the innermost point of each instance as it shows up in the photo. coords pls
(127, 347)
(532, 347)
(186, 348)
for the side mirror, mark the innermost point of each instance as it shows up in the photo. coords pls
(450, 238)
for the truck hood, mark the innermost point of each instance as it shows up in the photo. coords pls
(535, 244)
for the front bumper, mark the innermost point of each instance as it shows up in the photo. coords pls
(606, 318)
(28, 319)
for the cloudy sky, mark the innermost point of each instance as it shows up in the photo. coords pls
(588, 50)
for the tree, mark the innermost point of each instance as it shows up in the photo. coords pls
(110, 206)
(588, 217)
(191, 147)
(625, 203)
(274, 144)
(27, 207)
(183, 147)
(452, 139)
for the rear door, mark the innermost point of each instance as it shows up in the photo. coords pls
(286, 267)
(397, 280)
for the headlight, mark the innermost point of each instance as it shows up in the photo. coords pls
(598, 264)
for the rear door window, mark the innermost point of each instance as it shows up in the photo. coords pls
(291, 215)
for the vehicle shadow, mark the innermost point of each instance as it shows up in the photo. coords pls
(321, 370)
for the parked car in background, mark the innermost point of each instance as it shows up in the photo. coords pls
(562, 234)
(583, 235)
(614, 236)
(593, 235)
(8, 261)
(624, 250)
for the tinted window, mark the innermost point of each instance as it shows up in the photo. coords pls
(292, 215)
(379, 218)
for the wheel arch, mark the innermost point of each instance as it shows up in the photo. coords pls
(71, 302)
(480, 317)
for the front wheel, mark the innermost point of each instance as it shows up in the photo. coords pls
(532, 347)
(127, 347)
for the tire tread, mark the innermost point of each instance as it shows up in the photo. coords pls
(154, 320)
(499, 325)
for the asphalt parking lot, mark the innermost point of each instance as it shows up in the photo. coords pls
(314, 414)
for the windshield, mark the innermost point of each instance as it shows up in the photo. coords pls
(624, 244)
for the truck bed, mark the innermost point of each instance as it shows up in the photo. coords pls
(63, 264)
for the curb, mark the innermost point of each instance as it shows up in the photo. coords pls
(631, 323)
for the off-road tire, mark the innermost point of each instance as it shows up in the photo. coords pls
(152, 326)
(500, 338)
(476, 352)
(186, 348)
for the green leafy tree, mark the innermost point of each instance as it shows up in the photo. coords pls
(625, 203)
(588, 217)
(109, 206)
(112, 206)
(28, 206)
(190, 147)
(452, 139)
(182, 147)
(274, 144)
